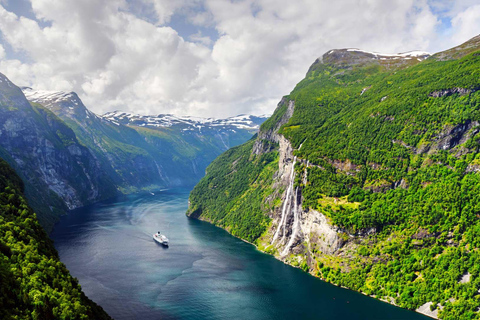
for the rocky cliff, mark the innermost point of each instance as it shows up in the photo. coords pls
(365, 176)
(59, 172)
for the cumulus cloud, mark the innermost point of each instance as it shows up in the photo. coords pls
(117, 59)
(466, 23)
(198, 37)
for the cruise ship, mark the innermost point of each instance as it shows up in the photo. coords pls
(160, 238)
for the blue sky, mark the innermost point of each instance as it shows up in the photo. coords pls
(207, 57)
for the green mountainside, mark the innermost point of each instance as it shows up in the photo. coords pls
(34, 284)
(367, 175)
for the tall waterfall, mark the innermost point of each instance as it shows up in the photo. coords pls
(296, 225)
(286, 204)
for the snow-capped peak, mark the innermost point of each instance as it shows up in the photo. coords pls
(168, 120)
(48, 97)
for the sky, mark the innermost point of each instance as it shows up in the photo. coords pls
(208, 58)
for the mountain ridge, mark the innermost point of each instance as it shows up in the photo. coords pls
(58, 171)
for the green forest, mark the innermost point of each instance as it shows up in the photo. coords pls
(399, 147)
(34, 284)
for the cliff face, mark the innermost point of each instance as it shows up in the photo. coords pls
(120, 150)
(59, 172)
(365, 176)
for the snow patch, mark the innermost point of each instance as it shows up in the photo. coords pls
(385, 56)
(242, 121)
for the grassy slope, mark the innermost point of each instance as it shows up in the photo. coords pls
(422, 200)
(231, 195)
(34, 284)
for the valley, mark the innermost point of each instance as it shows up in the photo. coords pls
(70, 157)
(358, 198)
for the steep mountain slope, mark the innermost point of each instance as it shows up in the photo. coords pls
(367, 176)
(120, 150)
(58, 171)
(34, 284)
(146, 152)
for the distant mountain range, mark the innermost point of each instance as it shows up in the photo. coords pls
(243, 121)
(69, 157)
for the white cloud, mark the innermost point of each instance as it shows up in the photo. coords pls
(117, 60)
(166, 8)
(2, 52)
(466, 24)
(198, 37)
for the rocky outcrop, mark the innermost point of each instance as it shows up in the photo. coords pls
(321, 234)
(452, 136)
(426, 310)
(451, 91)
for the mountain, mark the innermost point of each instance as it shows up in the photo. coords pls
(121, 151)
(70, 157)
(240, 122)
(59, 172)
(148, 152)
(34, 283)
(367, 175)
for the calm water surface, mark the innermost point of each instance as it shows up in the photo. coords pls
(204, 274)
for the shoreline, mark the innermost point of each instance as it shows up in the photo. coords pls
(321, 279)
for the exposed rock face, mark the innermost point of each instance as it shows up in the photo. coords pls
(453, 136)
(48, 156)
(425, 309)
(466, 277)
(293, 226)
(318, 231)
(449, 92)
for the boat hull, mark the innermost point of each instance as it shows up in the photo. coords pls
(163, 242)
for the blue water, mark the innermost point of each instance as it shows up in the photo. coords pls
(204, 274)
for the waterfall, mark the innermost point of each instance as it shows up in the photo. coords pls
(285, 204)
(295, 225)
(301, 144)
